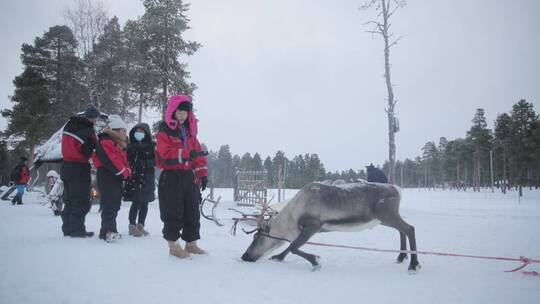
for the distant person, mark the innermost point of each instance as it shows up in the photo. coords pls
(140, 187)
(57, 189)
(20, 175)
(113, 169)
(78, 142)
(180, 156)
(376, 175)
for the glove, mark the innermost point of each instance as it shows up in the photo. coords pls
(204, 183)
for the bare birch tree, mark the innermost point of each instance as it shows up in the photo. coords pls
(86, 18)
(381, 26)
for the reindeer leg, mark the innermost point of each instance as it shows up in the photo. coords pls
(414, 265)
(280, 257)
(403, 246)
(408, 231)
(305, 234)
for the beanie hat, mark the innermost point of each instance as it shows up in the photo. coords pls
(185, 106)
(91, 112)
(116, 122)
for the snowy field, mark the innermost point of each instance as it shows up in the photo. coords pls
(39, 265)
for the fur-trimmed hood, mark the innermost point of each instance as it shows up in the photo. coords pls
(174, 102)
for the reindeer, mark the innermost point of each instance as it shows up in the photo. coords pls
(322, 207)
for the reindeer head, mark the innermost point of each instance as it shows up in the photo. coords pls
(263, 242)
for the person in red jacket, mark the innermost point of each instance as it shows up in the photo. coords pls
(183, 165)
(110, 159)
(21, 178)
(78, 142)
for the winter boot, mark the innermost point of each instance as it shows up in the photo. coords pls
(134, 231)
(111, 236)
(82, 234)
(14, 200)
(141, 229)
(192, 247)
(176, 250)
(20, 201)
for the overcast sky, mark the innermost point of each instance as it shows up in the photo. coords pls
(302, 76)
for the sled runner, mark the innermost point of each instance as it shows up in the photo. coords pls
(5, 196)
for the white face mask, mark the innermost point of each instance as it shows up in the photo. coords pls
(139, 136)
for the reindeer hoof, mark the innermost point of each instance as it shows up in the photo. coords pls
(277, 258)
(401, 258)
(316, 264)
(413, 269)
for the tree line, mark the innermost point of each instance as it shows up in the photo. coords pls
(297, 171)
(510, 151)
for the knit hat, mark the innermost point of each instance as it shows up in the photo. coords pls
(116, 122)
(91, 112)
(185, 106)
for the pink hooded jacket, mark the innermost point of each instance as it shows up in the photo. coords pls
(174, 102)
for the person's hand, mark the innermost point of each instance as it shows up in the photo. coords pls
(204, 183)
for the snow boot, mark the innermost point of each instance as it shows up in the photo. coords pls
(176, 250)
(111, 236)
(141, 229)
(192, 247)
(14, 200)
(133, 230)
(82, 234)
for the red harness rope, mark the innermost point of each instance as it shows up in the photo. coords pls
(526, 261)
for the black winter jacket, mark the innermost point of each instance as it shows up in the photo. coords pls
(141, 186)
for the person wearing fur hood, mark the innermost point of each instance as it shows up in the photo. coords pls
(110, 159)
(184, 166)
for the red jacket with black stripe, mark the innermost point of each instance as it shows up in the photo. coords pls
(25, 176)
(173, 154)
(78, 140)
(111, 156)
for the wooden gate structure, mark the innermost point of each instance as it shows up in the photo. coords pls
(251, 187)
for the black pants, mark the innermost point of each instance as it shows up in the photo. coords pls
(178, 205)
(140, 208)
(76, 178)
(110, 191)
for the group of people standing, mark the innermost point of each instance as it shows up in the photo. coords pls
(125, 168)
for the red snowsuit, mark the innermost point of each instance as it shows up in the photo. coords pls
(112, 169)
(177, 190)
(78, 142)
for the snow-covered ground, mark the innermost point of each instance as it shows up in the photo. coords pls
(38, 265)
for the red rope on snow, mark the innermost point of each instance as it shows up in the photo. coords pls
(526, 261)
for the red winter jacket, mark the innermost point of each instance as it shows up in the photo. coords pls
(111, 156)
(78, 140)
(25, 176)
(171, 154)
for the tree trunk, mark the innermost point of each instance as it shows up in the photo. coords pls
(164, 99)
(504, 178)
(391, 104)
(140, 106)
(476, 171)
